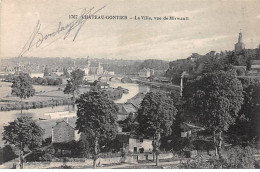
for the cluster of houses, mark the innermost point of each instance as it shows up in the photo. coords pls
(64, 131)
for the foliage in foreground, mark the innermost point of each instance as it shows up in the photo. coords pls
(23, 133)
(97, 116)
(236, 158)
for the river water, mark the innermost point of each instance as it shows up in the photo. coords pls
(8, 116)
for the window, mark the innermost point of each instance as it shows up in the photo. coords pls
(135, 149)
(141, 140)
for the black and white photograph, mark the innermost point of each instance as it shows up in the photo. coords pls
(119, 84)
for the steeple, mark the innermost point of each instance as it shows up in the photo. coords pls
(240, 37)
(239, 45)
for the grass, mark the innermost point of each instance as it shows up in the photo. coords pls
(42, 93)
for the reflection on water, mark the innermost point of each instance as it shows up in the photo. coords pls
(133, 90)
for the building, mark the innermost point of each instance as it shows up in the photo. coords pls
(125, 110)
(93, 68)
(239, 45)
(103, 85)
(187, 129)
(255, 66)
(146, 73)
(63, 132)
(134, 144)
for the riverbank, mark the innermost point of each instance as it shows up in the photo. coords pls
(47, 96)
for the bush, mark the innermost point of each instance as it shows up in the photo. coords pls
(235, 158)
(7, 154)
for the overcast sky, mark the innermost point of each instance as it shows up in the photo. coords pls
(212, 25)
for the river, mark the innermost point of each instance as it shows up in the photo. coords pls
(8, 116)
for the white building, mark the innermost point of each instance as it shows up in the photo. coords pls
(135, 144)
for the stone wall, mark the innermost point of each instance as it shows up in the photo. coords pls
(89, 162)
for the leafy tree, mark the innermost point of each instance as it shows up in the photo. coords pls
(39, 80)
(57, 81)
(214, 100)
(9, 77)
(154, 64)
(72, 86)
(22, 87)
(44, 81)
(96, 118)
(155, 117)
(23, 132)
(246, 127)
(50, 81)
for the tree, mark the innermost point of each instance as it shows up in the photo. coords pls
(96, 118)
(50, 81)
(23, 132)
(155, 117)
(214, 101)
(22, 87)
(246, 128)
(72, 86)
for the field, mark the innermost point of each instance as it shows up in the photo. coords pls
(44, 96)
(42, 93)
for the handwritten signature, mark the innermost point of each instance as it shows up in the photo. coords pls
(37, 38)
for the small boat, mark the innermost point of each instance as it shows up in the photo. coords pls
(42, 119)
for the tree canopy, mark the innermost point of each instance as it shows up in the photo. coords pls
(214, 100)
(247, 123)
(22, 86)
(23, 132)
(155, 117)
(73, 83)
(96, 118)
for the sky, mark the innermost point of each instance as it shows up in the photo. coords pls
(213, 25)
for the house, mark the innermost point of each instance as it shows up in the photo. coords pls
(128, 108)
(125, 110)
(63, 132)
(255, 66)
(103, 85)
(134, 144)
(146, 73)
(187, 129)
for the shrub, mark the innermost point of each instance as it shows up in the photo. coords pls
(236, 158)
(7, 154)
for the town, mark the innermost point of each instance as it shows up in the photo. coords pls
(197, 112)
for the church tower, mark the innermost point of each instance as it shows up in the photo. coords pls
(87, 67)
(239, 45)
